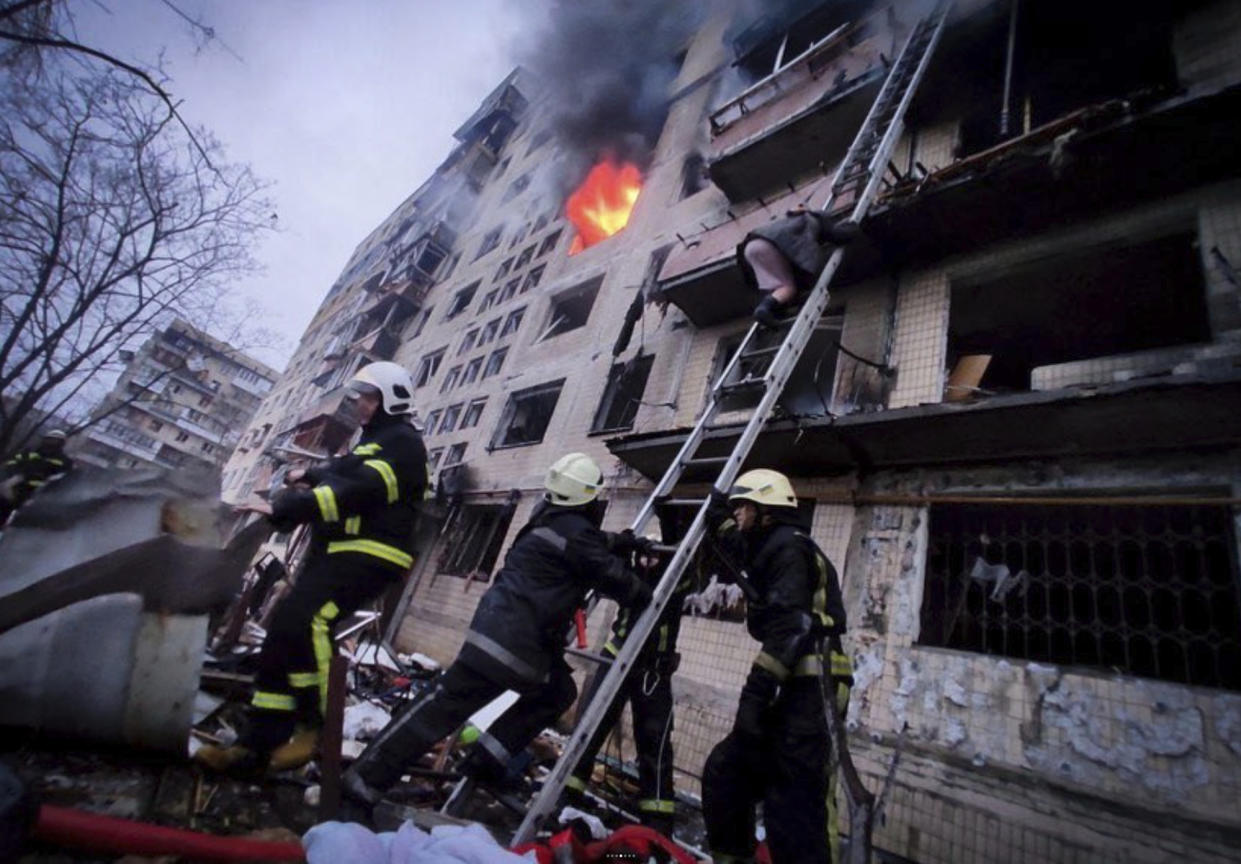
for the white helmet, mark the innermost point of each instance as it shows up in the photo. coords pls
(572, 480)
(392, 380)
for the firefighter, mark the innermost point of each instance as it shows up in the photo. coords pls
(648, 690)
(516, 638)
(784, 258)
(362, 507)
(30, 469)
(779, 748)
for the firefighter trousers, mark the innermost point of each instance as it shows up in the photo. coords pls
(290, 683)
(648, 690)
(786, 769)
(448, 703)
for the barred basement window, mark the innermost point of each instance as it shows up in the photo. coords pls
(477, 538)
(1150, 591)
(622, 394)
(527, 415)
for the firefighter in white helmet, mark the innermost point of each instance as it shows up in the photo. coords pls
(362, 507)
(779, 749)
(517, 636)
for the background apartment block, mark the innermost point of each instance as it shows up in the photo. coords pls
(181, 402)
(1015, 432)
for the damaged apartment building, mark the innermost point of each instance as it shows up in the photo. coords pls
(1015, 431)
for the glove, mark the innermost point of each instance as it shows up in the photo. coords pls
(626, 541)
(719, 508)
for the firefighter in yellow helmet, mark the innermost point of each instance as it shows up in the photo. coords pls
(516, 638)
(362, 507)
(779, 749)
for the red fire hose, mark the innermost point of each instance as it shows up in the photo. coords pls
(78, 829)
(579, 622)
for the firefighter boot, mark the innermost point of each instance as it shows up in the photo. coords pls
(295, 752)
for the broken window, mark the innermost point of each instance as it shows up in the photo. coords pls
(693, 175)
(524, 258)
(456, 453)
(549, 243)
(1147, 590)
(1032, 327)
(427, 367)
(512, 322)
(470, 375)
(809, 391)
(570, 309)
(490, 241)
(451, 413)
(533, 278)
(422, 319)
(490, 330)
(473, 412)
(471, 337)
(461, 301)
(622, 394)
(527, 415)
(779, 38)
(494, 362)
(503, 269)
(450, 379)
(477, 539)
(433, 420)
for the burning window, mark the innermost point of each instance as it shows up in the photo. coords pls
(427, 367)
(533, 278)
(494, 362)
(461, 301)
(571, 309)
(1148, 590)
(450, 379)
(1033, 327)
(601, 205)
(432, 422)
(513, 322)
(473, 412)
(470, 375)
(451, 413)
(476, 541)
(490, 330)
(527, 414)
(490, 241)
(467, 342)
(622, 394)
(549, 243)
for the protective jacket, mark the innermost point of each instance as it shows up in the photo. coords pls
(520, 624)
(29, 470)
(365, 502)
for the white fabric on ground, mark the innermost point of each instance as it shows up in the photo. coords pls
(349, 843)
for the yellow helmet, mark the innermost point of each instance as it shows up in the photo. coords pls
(573, 479)
(763, 486)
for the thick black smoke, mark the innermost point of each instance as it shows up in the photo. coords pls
(603, 69)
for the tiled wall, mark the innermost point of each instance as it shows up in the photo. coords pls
(920, 345)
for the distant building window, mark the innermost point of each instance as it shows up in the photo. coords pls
(524, 258)
(433, 458)
(468, 341)
(510, 290)
(540, 138)
(533, 278)
(490, 330)
(571, 309)
(494, 362)
(451, 413)
(183, 437)
(156, 425)
(461, 301)
(693, 178)
(427, 367)
(541, 222)
(515, 188)
(450, 379)
(456, 453)
(1150, 591)
(473, 412)
(433, 420)
(503, 269)
(622, 394)
(489, 299)
(470, 375)
(549, 243)
(476, 543)
(518, 236)
(527, 415)
(512, 322)
(490, 241)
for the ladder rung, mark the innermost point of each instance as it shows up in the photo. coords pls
(682, 502)
(591, 655)
(760, 352)
(705, 460)
(741, 386)
(666, 549)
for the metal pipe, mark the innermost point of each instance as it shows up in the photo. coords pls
(1008, 67)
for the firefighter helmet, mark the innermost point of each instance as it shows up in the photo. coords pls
(392, 381)
(573, 479)
(763, 486)
(55, 434)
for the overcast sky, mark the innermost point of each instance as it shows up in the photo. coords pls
(345, 106)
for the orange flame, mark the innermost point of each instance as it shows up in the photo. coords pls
(601, 205)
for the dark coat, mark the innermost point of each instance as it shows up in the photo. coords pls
(520, 625)
(800, 237)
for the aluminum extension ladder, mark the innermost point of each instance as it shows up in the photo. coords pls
(856, 182)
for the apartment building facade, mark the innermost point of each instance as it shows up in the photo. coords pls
(181, 403)
(1015, 431)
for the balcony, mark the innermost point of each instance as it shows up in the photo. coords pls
(127, 441)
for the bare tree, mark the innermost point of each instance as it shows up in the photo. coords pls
(114, 219)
